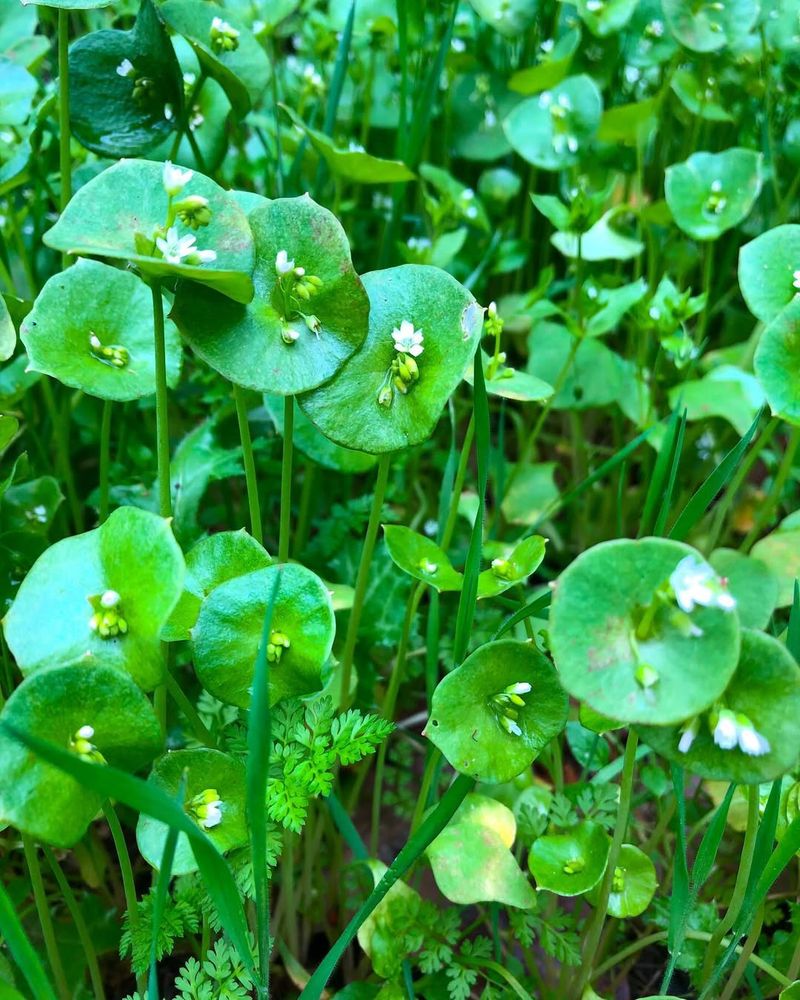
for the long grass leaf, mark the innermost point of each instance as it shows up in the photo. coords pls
(680, 898)
(160, 899)
(793, 632)
(709, 845)
(111, 783)
(702, 499)
(429, 829)
(22, 951)
(335, 92)
(346, 827)
(534, 607)
(666, 500)
(655, 487)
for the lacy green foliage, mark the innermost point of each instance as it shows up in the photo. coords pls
(557, 934)
(595, 802)
(181, 917)
(220, 976)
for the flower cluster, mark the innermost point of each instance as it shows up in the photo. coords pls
(206, 808)
(107, 619)
(114, 355)
(729, 730)
(507, 704)
(193, 211)
(81, 744)
(294, 289)
(694, 583)
(403, 372)
(716, 201)
(560, 108)
(278, 642)
(224, 37)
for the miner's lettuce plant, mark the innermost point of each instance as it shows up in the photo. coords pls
(399, 549)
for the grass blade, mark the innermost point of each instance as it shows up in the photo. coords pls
(677, 454)
(793, 632)
(22, 951)
(345, 826)
(540, 603)
(162, 887)
(709, 845)
(655, 489)
(335, 92)
(679, 902)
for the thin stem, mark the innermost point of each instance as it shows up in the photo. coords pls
(458, 483)
(276, 121)
(598, 918)
(63, 464)
(304, 515)
(80, 924)
(196, 724)
(45, 919)
(162, 401)
(428, 775)
(287, 891)
(742, 878)
(105, 459)
(744, 956)
(362, 579)
(249, 464)
(64, 158)
(767, 509)
(286, 479)
(708, 270)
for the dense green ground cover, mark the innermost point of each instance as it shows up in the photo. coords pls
(399, 410)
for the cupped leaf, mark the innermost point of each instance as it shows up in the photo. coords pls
(631, 652)
(282, 342)
(766, 690)
(712, 192)
(767, 268)
(315, 445)
(708, 27)
(205, 772)
(91, 327)
(17, 90)
(363, 407)
(570, 863)
(508, 17)
(54, 704)
(228, 632)
(141, 96)
(471, 858)
(512, 571)
(775, 363)
(726, 391)
(421, 558)
(606, 17)
(479, 103)
(117, 213)
(780, 552)
(751, 582)
(68, 4)
(8, 335)
(510, 383)
(550, 130)
(602, 241)
(239, 64)
(105, 594)
(209, 563)
(379, 934)
(633, 886)
(492, 716)
(532, 492)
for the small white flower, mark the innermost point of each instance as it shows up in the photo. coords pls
(695, 583)
(716, 186)
(751, 741)
(521, 687)
(175, 179)
(796, 277)
(283, 265)
(510, 726)
(203, 257)
(110, 599)
(655, 28)
(355, 147)
(572, 144)
(654, 312)
(407, 340)
(458, 45)
(594, 6)
(175, 248)
(125, 68)
(169, 114)
(85, 732)
(688, 735)
(489, 118)
(726, 731)
(213, 816)
(428, 567)
(224, 28)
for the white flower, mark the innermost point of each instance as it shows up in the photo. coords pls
(85, 732)
(213, 816)
(125, 68)
(175, 248)
(428, 567)
(726, 731)
(224, 28)
(175, 179)
(695, 583)
(521, 687)
(109, 599)
(282, 263)
(751, 741)
(510, 726)
(407, 340)
(489, 118)
(203, 257)
(688, 735)
(207, 808)
(796, 277)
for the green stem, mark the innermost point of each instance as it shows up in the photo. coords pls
(742, 878)
(744, 956)
(304, 515)
(276, 121)
(249, 464)
(431, 770)
(105, 459)
(767, 509)
(458, 484)
(64, 158)
(162, 401)
(288, 893)
(362, 579)
(598, 918)
(196, 724)
(63, 464)
(286, 479)
(708, 270)
(45, 919)
(125, 867)
(80, 924)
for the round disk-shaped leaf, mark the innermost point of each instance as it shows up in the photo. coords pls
(252, 345)
(570, 863)
(8, 335)
(116, 213)
(315, 445)
(765, 688)
(599, 603)
(477, 724)
(509, 17)
(210, 563)
(712, 192)
(53, 704)
(776, 363)
(134, 556)
(549, 130)
(241, 69)
(634, 884)
(347, 409)
(606, 17)
(86, 310)
(780, 552)
(228, 633)
(421, 558)
(767, 267)
(68, 4)
(126, 88)
(709, 26)
(205, 770)
(751, 582)
(524, 559)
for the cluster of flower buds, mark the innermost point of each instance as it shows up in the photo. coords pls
(81, 744)
(403, 371)
(107, 619)
(507, 704)
(114, 355)
(144, 91)
(193, 211)
(729, 730)
(574, 866)
(716, 201)
(296, 288)
(206, 808)
(502, 569)
(278, 642)
(224, 37)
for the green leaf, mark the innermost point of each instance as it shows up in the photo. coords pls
(600, 242)
(766, 271)
(513, 570)
(8, 335)
(134, 556)
(131, 112)
(54, 704)
(68, 4)
(280, 343)
(508, 17)
(550, 130)
(472, 860)
(709, 28)
(532, 492)
(780, 552)
(22, 952)
(765, 688)
(570, 863)
(628, 124)
(385, 930)
(242, 71)
(509, 383)
(634, 884)
(479, 103)
(17, 90)
(105, 216)
(725, 392)
(607, 18)
(591, 377)
(775, 363)
(751, 582)
(459, 196)
(711, 193)
(612, 304)
(600, 602)
(92, 300)
(228, 631)
(421, 558)
(473, 719)
(346, 409)
(699, 96)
